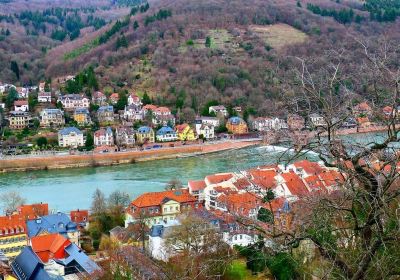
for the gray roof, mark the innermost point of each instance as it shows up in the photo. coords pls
(78, 258)
(68, 130)
(27, 265)
(107, 108)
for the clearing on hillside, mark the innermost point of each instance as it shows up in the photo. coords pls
(279, 35)
(219, 39)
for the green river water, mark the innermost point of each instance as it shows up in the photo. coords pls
(69, 189)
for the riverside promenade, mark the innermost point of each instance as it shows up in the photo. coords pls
(60, 161)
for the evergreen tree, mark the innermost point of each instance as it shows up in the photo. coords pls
(135, 25)
(146, 99)
(11, 97)
(14, 67)
(208, 42)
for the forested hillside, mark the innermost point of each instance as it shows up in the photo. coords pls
(186, 54)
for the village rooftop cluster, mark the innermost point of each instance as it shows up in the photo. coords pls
(51, 242)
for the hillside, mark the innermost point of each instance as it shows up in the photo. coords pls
(219, 50)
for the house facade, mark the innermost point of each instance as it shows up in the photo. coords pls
(104, 137)
(236, 125)
(71, 137)
(218, 110)
(133, 113)
(21, 106)
(160, 207)
(145, 134)
(52, 118)
(82, 116)
(44, 97)
(99, 98)
(20, 120)
(73, 101)
(125, 136)
(105, 114)
(166, 134)
(13, 237)
(185, 132)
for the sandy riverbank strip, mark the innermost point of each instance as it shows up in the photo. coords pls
(106, 159)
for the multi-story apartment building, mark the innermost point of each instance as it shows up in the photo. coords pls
(82, 116)
(52, 118)
(71, 137)
(73, 101)
(104, 137)
(145, 134)
(20, 120)
(13, 236)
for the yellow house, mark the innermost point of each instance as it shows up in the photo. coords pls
(82, 116)
(13, 236)
(145, 134)
(185, 132)
(236, 125)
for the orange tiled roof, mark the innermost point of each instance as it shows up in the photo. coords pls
(331, 178)
(20, 102)
(163, 109)
(242, 183)
(264, 178)
(294, 183)
(156, 198)
(309, 167)
(314, 183)
(79, 216)
(150, 107)
(240, 203)
(181, 127)
(12, 225)
(50, 246)
(218, 178)
(363, 106)
(197, 185)
(362, 120)
(33, 211)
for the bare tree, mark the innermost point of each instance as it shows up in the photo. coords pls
(197, 250)
(99, 204)
(355, 228)
(11, 200)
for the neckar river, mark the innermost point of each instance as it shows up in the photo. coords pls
(69, 189)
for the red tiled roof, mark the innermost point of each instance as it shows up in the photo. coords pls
(264, 178)
(181, 127)
(242, 183)
(150, 107)
(114, 96)
(163, 110)
(197, 185)
(33, 211)
(314, 183)
(331, 178)
(240, 203)
(50, 246)
(294, 183)
(79, 216)
(363, 106)
(20, 102)
(218, 178)
(12, 224)
(309, 167)
(156, 198)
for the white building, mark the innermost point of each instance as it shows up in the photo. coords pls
(267, 124)
(133, 99)
(21, 106)
(207, 130)
(44, 97)
(218, 110)
(166, 134)
(73, 101)
(70, 137)
(104, 137)
(317, 120)
(133, 113)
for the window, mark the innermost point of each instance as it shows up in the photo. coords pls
(165, 209)
(176, 208)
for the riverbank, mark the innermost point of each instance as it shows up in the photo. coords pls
(360, 130)
(106, 159)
